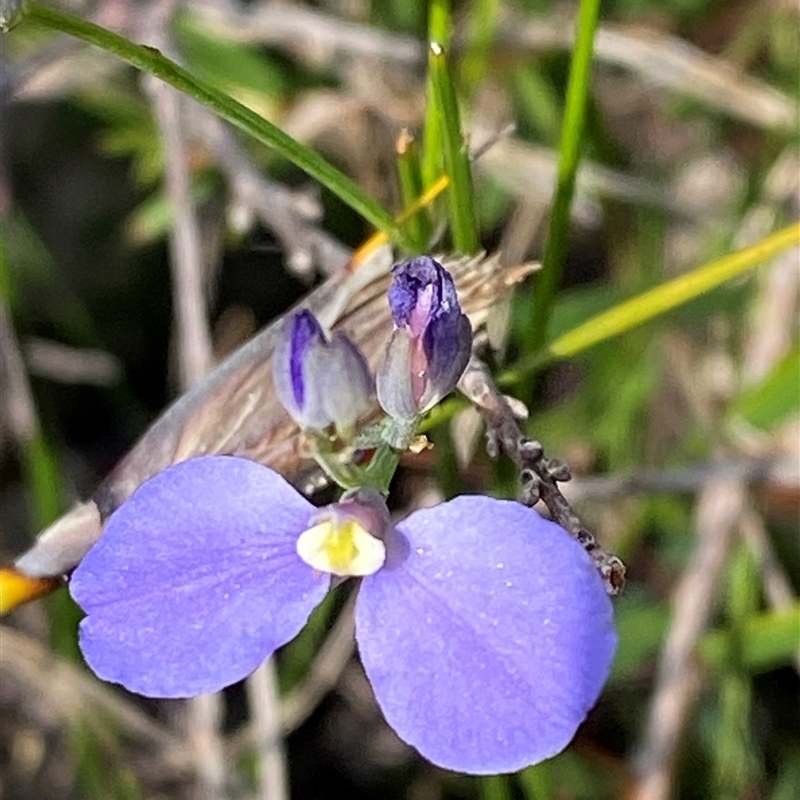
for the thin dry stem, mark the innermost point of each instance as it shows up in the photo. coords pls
(678, 680)
(324, 673)
(262, 693)
(188, 295)
(204, 718)
(62, 363)
(73, 696)
(777, 587)
(18, 410)
(775, 471)
(292, 215)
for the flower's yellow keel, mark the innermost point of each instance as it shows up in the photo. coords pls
(341, 547)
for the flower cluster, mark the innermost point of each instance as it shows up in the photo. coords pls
(485, 631)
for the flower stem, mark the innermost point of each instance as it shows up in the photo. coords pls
(381, 469)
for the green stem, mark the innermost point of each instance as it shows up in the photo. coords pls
(381, 469)
(569, 158)
(152, 61)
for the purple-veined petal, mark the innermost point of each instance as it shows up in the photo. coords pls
(421, 289)
(319, 381)
(297, 348)
(487, 646)
(195, 580)
(449, 343)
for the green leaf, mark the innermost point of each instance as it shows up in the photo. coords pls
(229, 64)
(776, 398)
(766, 641)
(641, 626)
(152, 219)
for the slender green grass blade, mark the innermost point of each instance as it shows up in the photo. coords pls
(152, 61)
(654, 302)
(536, 782)
(496, 787)
(433, 136)
(456, 157)
(569, 158)
(440, 28)
(444, 120)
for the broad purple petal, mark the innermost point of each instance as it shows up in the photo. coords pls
(489, 644)
(195, 580)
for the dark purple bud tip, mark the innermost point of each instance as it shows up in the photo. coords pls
(430, 348)
(319, 382)
(304, 333)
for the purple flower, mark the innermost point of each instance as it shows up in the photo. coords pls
(485, 631)
(431, 344)
(320, 382)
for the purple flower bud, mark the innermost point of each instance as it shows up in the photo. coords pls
(431, 344)
(320, 382)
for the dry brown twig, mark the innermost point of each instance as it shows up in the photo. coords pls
(292, 215)
(70, 694)
(779, 471)
(678, 680)
(62, 363)
(540, 475)
(324, 672)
